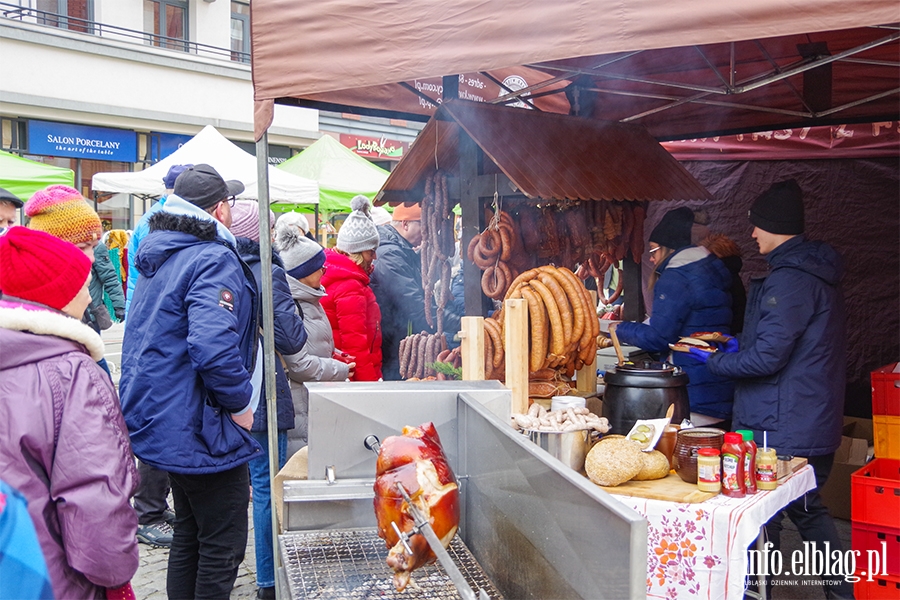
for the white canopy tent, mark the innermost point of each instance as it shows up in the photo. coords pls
(211, 147)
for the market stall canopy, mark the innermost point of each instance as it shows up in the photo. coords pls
(560, 158)
(211, 147)
(340, 173)
(23, 177)
(680, 69)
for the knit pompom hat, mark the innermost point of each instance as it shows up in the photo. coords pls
(64, 213)
(358, 233)
(301, 256)
(245, 219)
(40, 267)
(779, 209)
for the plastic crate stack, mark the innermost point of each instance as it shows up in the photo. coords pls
(875, 496)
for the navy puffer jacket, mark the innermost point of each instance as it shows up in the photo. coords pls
(397, 283)
(792, 362)
(189, 348)
(290, 334)
(690, 295)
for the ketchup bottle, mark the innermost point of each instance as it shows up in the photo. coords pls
(749, 460)
(733, 455)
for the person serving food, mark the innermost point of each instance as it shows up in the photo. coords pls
(690, 296)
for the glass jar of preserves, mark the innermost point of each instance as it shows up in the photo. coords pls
(766, 469)
(709, 470)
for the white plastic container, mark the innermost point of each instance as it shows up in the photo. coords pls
(563, 402)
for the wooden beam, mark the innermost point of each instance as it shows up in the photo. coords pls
(633, 290)
(472, 348)
(515, 331)
(471, 221)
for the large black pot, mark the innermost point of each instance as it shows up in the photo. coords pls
(644, 392)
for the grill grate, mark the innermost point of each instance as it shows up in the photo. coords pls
(350, 563)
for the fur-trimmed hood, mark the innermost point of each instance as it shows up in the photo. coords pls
(51, 333)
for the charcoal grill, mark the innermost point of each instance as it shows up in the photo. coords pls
(350, 563)
(530, 527)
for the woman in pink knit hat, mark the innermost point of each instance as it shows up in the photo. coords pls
(64, 444)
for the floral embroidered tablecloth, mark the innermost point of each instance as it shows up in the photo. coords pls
(700, 550)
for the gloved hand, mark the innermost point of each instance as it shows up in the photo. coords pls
(731, 345)
(120, 314)
(699, 354)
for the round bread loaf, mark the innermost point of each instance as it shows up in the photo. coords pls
(613, 461)
(656, 466)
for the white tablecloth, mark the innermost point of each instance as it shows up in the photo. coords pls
(700, 550)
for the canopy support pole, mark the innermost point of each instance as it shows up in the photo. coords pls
(268, 314)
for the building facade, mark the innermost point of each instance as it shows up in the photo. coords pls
(116, 85)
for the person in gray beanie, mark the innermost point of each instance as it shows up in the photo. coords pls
(350, 304)
(790, 361)
(304, 263)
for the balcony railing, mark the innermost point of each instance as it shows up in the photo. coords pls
(94, 28)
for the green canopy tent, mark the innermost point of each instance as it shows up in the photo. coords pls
(340, 173)
(24, 177)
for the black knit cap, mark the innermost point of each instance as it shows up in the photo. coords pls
(674, 230)
(779, 209)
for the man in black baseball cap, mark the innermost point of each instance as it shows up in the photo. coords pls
(202, 186)
(9, 203)
(189, 383)
(791, 364)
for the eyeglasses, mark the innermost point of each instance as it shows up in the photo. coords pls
(324, 268)
(652, 250)
(229, 201)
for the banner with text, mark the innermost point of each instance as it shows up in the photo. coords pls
(46, 138)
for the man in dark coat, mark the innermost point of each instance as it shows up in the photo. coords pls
(397, 283)
(188, 366)
(790, 368)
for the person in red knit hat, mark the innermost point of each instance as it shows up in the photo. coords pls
(62, 419)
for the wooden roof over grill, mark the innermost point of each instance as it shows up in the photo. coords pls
(544, 156)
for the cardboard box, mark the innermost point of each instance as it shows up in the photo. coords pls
(856, 448)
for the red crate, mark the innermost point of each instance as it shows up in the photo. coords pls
(875, 493)
(886, 391)
(880, 588)
(867, 537)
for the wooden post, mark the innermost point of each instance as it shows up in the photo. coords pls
(586, 380)
(515, 326)
(472, 348)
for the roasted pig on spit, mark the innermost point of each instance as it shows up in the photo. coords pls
(415, 460)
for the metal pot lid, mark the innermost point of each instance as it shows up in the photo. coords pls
(653, 368)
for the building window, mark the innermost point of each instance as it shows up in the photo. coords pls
(166, 22)
(75, 15)
(240, 31)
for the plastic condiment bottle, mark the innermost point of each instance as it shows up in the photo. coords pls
(749, 460)
(709, 470)
(733, 466)
(767, 469)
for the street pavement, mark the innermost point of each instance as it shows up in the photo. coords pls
(149, 582)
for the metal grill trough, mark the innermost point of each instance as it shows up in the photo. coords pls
(350, 563)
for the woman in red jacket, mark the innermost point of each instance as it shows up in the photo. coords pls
(349, 301)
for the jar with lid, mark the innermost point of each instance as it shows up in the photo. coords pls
(749, 460)
(767, 469)
(709, 470)
(733, 466)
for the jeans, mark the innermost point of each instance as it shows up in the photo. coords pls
(262, 506)
(814, 523)
(210, 533)
(150, 497)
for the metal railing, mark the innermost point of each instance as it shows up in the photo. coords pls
(74, 24)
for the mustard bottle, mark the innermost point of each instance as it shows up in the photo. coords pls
(766, 469)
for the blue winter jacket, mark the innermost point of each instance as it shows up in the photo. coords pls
(790, 370)
(140, 232)
(190, 346)
(690, 295)
(290, 334)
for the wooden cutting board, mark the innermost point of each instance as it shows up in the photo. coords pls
(673, 489)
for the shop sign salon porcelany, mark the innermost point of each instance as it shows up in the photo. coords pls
(46, 138)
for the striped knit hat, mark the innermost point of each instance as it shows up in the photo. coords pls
(64, 213)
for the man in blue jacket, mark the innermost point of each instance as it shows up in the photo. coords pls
(790, 368)
(188, 358)
(154, 517)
